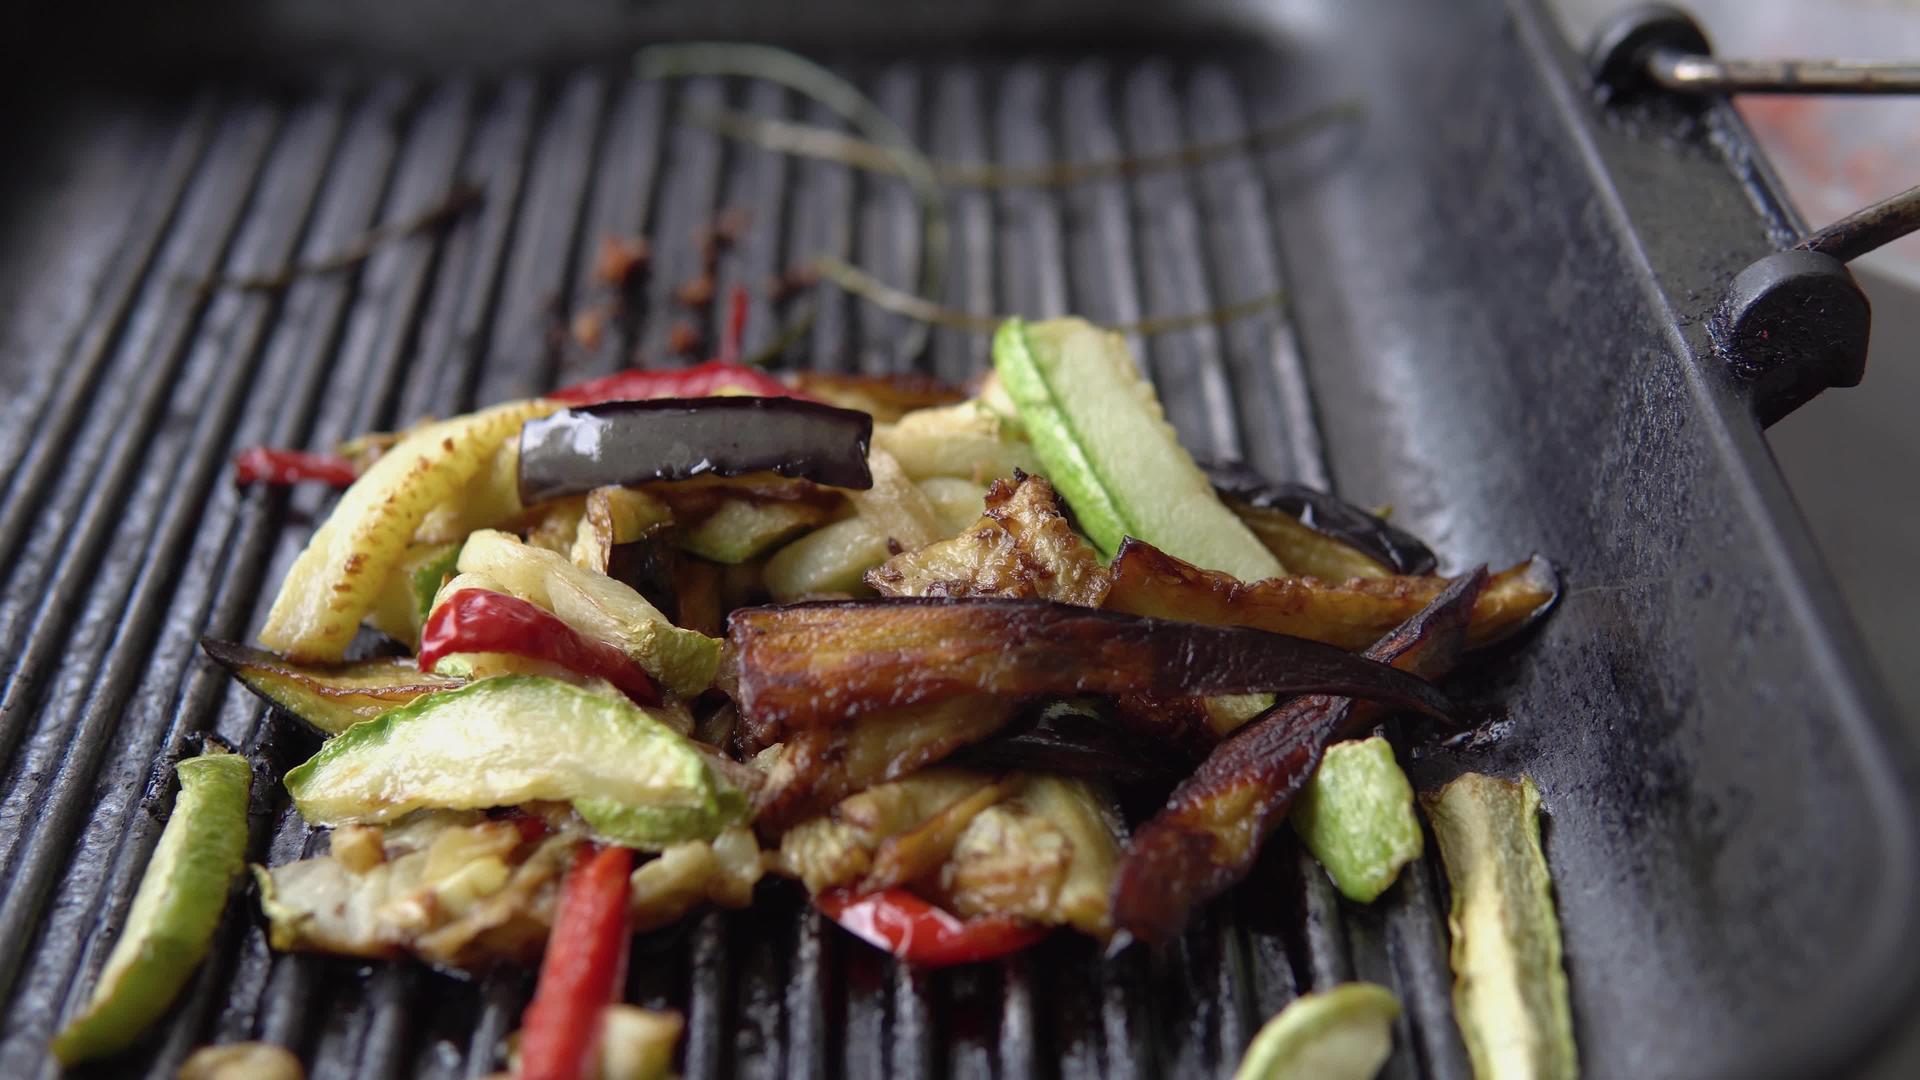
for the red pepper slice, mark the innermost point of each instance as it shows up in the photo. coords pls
(480, 620)
(274, 466)
(920, 933)
(583, 970)
(700, 380)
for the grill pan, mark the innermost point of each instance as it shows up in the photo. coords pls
(1498, 296)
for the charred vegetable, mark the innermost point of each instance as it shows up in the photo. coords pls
(175, 911)
(1509, 987)
(1022, 547)
(1148, 581)
(329, 697)
(812, 665)
(630, 442)
(1212, 826)
(1315, 533)
(1104, 440)
(514, 740)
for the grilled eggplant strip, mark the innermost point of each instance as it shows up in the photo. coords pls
(819, 766)
(812, 665)
(1207, 835)
(1315, 533)
(1148, 581)
(328, 697)
(1021, 547)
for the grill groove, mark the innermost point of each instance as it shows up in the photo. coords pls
(431, 324)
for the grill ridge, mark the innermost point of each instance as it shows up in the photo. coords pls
(434, 324)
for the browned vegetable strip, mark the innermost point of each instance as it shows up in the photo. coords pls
(821, 765)
(803, 666)
(914, 854)
(330, 697)
(1021, 547)
(1148, 581)
(1212, 826)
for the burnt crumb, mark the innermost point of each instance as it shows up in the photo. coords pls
(696, 292)
(794, 279)
(589, 327)
(893, 546)
(621, 260)
(684, 340)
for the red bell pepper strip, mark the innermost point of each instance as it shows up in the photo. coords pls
(583, 970)
(700, 380)
(480, 620)
(265, 463)
(920, 933)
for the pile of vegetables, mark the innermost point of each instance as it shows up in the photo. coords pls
(586, 663)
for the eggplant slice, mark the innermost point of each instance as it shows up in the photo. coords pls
(1262, 503)
(1349, 614)
(632, 442)
(802, 666)
(1211, 829)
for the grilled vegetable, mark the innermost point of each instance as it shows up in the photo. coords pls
(687, 874)
(918, 852)
(514, 740)
(811, 665)
(1345, 1033)
(1509, 987)
(258, 464)
(1046, 855)
(698, 380)
(1315, 533)
(636, 1043)
(480, 621)
(594, 604)
(583, 970)
(1148, 581)
(1211, 828)
(967, 440)
(884, 397)
(332, 584)
(833, 559)
(1106, 444)
(455, 889)
(1022, 547)
(404, 602)
(902, 512)
(242, 1061)
(175, 911)
(919, 933)
(628, 442)
(1080, 737)
(613, 518)
(820, 765)
(838, 848)
(742, 529)
(1356, 816)
(328, 697)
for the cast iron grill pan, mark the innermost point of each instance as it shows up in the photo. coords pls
(1416, 372)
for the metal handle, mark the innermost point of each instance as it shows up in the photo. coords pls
(1660, 47)
(1795, 322)
(1695, 73)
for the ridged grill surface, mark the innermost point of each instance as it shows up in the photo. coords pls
(122, 538)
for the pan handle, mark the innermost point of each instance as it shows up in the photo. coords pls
(1795, 322)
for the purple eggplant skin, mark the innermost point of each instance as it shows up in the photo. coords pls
(1401, 551)
(1210, 831)
(632, 442)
